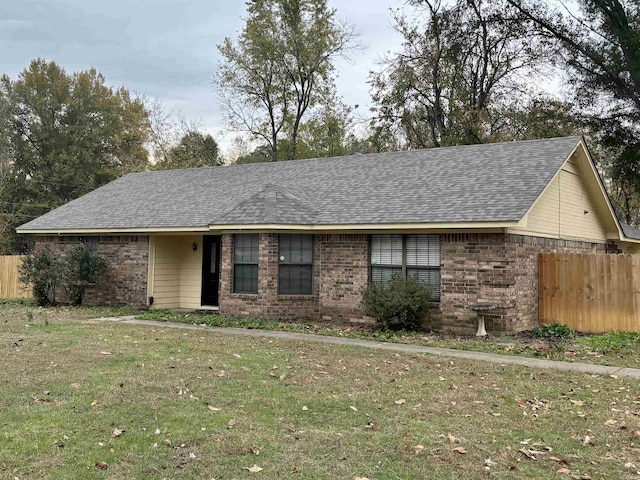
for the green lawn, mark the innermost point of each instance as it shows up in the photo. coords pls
(617, 348)
(159, 403)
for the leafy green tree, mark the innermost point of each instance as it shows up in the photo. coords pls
(599, 48)
(70, 133)
(459, 66)
(280, 68)
(194, 149)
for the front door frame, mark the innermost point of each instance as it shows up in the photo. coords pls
(210, 289)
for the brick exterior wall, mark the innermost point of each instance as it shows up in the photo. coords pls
(340, 272)
(496, 268)
(500, 269)
(124, 281)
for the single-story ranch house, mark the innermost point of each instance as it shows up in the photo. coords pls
(301, 239)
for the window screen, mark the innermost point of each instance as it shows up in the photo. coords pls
(245, 263)
(295, 273)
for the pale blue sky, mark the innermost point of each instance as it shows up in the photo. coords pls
(167, 48)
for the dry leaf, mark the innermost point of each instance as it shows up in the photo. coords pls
(117, 432)
(563, 471)
(254, 469)
(587, 440)
(610, 422)
(528, 453)
(105, 353)
(418, 448)
(460, 450)
(305, 408)
(400, 402)
(213, 409)
(353, 408)
(451, 438)
(578, 403)
(94, 403)
(102, 465)
(44, 400)
(75, 385)
(231, 423)
(360, 478)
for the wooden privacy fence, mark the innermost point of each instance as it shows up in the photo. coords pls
(590, 293)
(10, 285)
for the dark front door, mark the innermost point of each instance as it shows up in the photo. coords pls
(210, 270)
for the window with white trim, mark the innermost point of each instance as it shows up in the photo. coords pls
(407, 255)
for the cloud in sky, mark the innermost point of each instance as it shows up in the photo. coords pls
(167, 48)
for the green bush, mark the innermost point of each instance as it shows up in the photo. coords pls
(553, 331)
(400, 304)
(44, 271)
(48, 273)
(82, 267)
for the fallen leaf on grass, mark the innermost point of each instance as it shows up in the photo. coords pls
(587, 440)
(105, 353)
(254, 469)
(360, 478)
(231, 423)
(305, 408)
(75, 385)
(610, 422)
(400, 402)
(460, 450)
(353, 408)
(418, 448)
(213, 409)
(102, 465)
(44, 400)
(94, 403)
(563, 471)
(579, 403)
(528, 453)
(117, 432)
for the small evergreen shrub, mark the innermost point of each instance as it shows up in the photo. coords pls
(553, 331)
(82, 267)
(49, 273)
(400, 304)
(43, 270)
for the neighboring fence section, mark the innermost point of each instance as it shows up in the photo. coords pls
(10, 286)
(590, 293)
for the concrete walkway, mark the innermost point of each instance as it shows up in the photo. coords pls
(394, 347)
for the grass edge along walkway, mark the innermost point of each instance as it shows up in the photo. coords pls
(588, 368)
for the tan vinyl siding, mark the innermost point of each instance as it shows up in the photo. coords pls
(560, 211)
(177, 273)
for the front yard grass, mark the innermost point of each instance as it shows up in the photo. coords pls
(616, 348)
(152, 402)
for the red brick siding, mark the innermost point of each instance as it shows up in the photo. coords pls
(501, 269)
(340, 271)
(124, 282)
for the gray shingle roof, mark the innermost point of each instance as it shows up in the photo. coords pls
(475, 183)
(629, 231)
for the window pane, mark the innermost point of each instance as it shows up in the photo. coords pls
(423, 250)
(245, 279)
(429, 277)
(386, 250)
(295, 280)
(296, 248)
(383, 274)
(246, 248)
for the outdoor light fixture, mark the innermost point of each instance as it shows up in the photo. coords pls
(194, 247)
